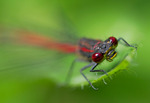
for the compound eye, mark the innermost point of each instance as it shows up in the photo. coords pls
(97, 57)
(113, 40)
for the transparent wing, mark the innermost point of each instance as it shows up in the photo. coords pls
(28, 54)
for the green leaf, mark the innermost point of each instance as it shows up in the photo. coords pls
(121, 63)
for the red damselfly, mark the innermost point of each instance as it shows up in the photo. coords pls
(89, 50)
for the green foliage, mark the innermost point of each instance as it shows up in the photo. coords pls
(35, 75)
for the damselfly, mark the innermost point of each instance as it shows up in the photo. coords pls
(89, 50)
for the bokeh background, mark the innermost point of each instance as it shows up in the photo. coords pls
(24, 75)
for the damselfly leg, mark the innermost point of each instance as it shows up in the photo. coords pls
(91, 64)
(127, 43)
(71, 69)
(92, 70)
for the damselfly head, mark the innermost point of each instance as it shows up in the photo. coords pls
(106, 50)
(111, 53)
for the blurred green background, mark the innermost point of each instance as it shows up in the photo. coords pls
(31, 82)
